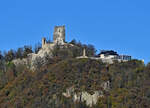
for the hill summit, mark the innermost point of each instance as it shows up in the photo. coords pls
(62, 74)
(49, 48)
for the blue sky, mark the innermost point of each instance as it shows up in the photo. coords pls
(121, 25)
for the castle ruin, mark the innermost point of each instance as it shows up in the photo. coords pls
(106, 56)
(58, 37)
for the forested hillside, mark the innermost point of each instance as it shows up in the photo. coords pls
(21, 87)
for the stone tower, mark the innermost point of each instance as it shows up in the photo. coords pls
(59, 35)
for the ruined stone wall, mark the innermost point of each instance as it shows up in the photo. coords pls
(59, 35)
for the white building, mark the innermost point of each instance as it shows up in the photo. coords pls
(110, 54)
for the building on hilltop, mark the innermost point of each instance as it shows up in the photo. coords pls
(58, 38)
(108, 56)
(59, 35)
(47, 47)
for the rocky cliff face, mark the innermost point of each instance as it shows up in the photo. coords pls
(84, 96)
(41, 58)
(90, 99)
(34, 60)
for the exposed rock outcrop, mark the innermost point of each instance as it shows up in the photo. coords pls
(89, 99)
(34, 60)
(20, 61)
(84, 96)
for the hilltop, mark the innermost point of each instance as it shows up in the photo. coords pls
(63, 78)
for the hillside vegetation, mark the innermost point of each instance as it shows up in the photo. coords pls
(21, 87)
